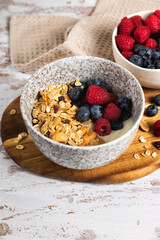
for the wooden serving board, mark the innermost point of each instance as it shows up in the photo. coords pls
(125, 168)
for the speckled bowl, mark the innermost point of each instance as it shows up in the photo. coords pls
(147, 77)
(67, 69)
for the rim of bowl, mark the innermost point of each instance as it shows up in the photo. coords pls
(115, 45)
(79, 147)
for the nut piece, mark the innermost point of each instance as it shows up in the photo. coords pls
(154, 154)
(13, 111)
(144, 126)
(59, 137)
(136, 156)
(147, 152)
(19, 147)
(142, 139)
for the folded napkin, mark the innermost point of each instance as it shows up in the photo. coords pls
(36, 40)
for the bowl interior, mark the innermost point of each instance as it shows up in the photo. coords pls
(119, 80)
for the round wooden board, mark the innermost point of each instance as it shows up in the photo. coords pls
(125, 168)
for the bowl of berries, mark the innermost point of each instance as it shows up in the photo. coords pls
(82, 112)
(136, 46)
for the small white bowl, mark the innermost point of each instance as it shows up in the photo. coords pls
(122, 82)
(149, 78)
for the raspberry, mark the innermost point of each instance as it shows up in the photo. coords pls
(137, 21)
(153, 23)
(97, 95)
(112, 112)
(127, 54)
(151, 43)
(113, 98)
(141, 34)
(156, 128)
(126, 26)
(157, 13)
(102, 127)
(124, 42)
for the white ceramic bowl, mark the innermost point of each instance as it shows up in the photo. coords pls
(68, 69)
(149, 78)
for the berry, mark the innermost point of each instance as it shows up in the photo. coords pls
(152, 110)
(147, 62)
(137, 60)
(127, 54)
(151, 43)
(141, 34)
(112, 112)
(137, 21)
(138, 48)
(96, 112)
(94, 81)
(124, 103)
(157, 99)
(124, 42)
(102, 127)
(112, 98)
(83, 113)
(157, 64)
(145, 53)
(156, 128)
(150, 66)
(126, 26)
(75, 94)
(97, 95)
(125, 115)
(153, 23)
(157, 13)
(156, 53)
(116, 125)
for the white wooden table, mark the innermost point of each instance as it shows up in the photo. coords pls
(35, 207)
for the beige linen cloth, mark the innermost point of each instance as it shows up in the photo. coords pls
(36, 40)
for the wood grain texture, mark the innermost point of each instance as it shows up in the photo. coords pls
(125, 168)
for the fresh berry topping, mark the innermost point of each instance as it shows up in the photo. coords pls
(157, 64)
(112, 112)
(94, 81)
(157, 13)
(112, 98)
(152, 110)
(127, 54)
(124, 103)
(150, 66)
(102, 127)
(116, 125)
(156, 128)
(145, 53)
(141, 34)
(156, 53)
(151, 43)
(75, 94)
(147, 62)
(124, 42)
(153, 23)
(125, 115)
(137, 60)
(126, 26)
(137, 21)
(157, 99)
(83, 113)
(97, 95)
(138, 48)
(96, 112)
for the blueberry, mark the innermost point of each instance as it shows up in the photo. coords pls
(147, 62)
(137, 60)
(124, 103)
(116, 125)
(96, 112)
(94, 81)
(157, 99)
(75, 94)
(157, 64)
(125, 115)
(152, 110)
(150, 66)
(156, 53)
(145, 53)
(83, 113)
(138, 48)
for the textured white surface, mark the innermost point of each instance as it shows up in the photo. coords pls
(34, 207)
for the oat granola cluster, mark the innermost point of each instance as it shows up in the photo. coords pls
(54, 116)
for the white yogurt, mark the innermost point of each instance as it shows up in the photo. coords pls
(118, 133)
